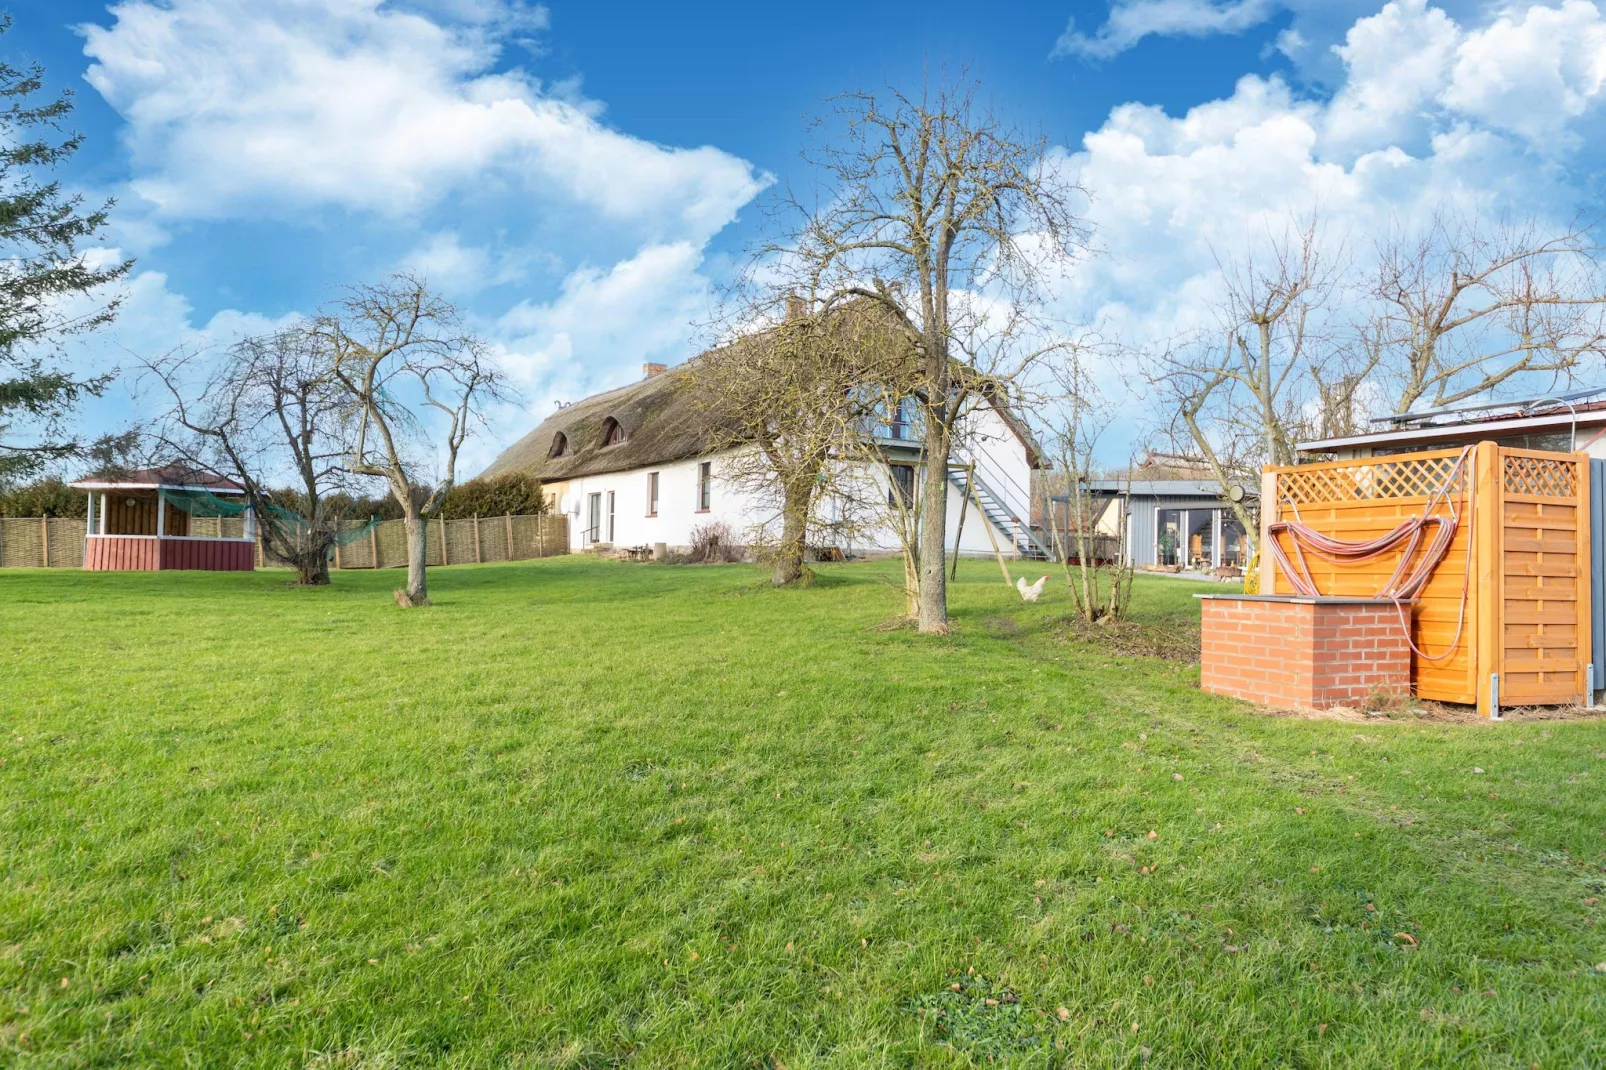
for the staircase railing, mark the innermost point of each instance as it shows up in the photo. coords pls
(997, 508)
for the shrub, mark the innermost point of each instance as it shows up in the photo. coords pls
(47, 497)
(712, 544)
(517, 493)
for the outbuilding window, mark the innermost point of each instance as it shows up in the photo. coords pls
(705, 486)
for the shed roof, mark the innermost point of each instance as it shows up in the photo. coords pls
(167, 477)
(1160, 488)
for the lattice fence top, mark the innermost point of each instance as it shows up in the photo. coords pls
(1407, 477)
(1542, 477)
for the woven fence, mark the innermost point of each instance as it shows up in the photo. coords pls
(58, 542)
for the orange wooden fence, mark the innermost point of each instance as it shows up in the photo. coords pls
(1505, 617)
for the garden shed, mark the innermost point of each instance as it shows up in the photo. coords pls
(167, 518)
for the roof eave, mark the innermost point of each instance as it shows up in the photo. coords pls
(1441, 432)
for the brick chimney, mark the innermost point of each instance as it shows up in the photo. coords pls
(795, 307)
(650, 370)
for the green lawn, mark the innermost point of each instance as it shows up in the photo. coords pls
(596, 814)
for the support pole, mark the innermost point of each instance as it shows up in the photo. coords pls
(373, 538)
(508, 519)
(964, 502)
(987, 524)
(1484, 603)
(478, 560)
(1268, 517)
(161, 513)
(445, 557)
(44, 543)
(89, 522)
(105, 507)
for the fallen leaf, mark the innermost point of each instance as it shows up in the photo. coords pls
(1153, 835)
(1064, 1014)
(695, 956)
(1300, 810)
(1408, 938)
(1176, 776)
(1321, 1029)
(64, 982)
(1475, 769)
(1134, 1027)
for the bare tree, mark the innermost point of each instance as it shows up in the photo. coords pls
(271, 408)
(400, 354)
(943, 214)
(1464, 306)
(787, 400)
(1075, 417)
(1242, 395)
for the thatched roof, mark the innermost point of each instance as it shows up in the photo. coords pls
(660, 417)
(663, 421)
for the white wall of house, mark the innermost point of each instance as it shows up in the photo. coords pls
(1000, 457)
(625, 519)
(630, 523)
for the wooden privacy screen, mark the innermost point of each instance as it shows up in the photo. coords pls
(1520, 557)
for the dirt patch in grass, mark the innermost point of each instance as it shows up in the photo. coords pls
(1130, 638)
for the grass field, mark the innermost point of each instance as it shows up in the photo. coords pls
(594, 814)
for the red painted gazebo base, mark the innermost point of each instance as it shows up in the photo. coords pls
(147, 553)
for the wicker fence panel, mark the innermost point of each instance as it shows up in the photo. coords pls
(34, 542)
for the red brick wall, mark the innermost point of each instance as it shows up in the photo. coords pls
(1303, 652)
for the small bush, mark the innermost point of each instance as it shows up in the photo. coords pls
(712, 544)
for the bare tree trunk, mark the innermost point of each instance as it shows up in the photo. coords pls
(313, 571)
(794, 532)
(417, 592)
(933, 576)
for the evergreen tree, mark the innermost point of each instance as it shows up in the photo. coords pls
(44, 275)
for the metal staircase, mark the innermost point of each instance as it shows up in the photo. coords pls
(1026, 543)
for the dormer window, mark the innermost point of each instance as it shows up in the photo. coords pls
(560, 445)
(612, 433)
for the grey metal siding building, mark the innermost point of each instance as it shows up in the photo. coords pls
(1173, 522)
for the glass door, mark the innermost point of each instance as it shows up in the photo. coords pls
(593, 517)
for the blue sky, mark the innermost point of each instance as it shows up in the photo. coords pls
(577, 176)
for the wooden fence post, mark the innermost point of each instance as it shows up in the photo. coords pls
(373, 537)
(509, 549)
(1485, 600)
(478, 560)
(44, 547)
(1268, 517)
(446, 558)
(540, 536)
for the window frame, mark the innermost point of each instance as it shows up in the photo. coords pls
(611, 503)
(652, 493)
(705, 486)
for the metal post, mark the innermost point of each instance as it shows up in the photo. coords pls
(161, 513)
(105, 507)
(89, 522)
(1589, 686)
(1494, 697)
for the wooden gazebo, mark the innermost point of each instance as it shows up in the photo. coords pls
(136, 523)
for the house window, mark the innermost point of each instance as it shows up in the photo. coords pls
(902, 414)
(560, 445)
(593, 518)
(610, 516)
(652, 493)
(901, 485)
(612, 433)
(705, 486)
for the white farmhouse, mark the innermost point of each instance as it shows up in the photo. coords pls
(633, 467)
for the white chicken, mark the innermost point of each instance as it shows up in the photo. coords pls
(1029, 592)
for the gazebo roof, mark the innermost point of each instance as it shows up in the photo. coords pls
(170, 477)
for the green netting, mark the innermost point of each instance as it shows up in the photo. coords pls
(292, 524)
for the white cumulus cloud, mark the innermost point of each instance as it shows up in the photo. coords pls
(233, 105)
